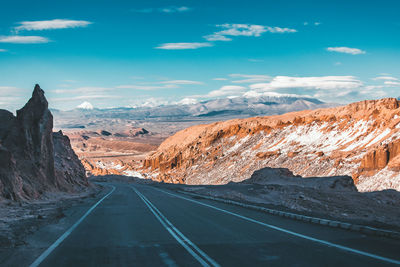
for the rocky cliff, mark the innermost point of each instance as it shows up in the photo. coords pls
(360, 139)
(32, 159)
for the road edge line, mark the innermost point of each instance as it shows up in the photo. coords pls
(327, 243)
(315, 220)
(53, 246)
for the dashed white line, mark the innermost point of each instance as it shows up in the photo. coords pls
(327, 243)
(195, 251)
(48, 251)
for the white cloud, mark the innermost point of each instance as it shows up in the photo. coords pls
(250, 78)
(244, 30)
(9, 91)
(385, 78)
(217, 37)
(317, 23)
(175, 9)
(17, 39)
(180, 46)
(82, 90)
(227, 90)
(392, 83)
(147, 87)
(252, 93)
(171, 9)
(220, 79)
(323, 82)
(3, 50)
(84, 97)
(51, 24)
(181, 82)
(346, 50)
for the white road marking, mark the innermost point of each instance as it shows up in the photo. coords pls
(183, 240)
(48, 251)
(327, 243)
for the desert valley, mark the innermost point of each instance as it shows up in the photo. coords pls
(199, 133)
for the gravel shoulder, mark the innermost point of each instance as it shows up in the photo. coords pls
(21, 221)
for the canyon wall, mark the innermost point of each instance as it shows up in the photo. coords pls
(360, 139)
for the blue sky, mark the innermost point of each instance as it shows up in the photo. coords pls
(132, 53)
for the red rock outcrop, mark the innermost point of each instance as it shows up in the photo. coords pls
(380, 157)
(360, 139)
(28, 151)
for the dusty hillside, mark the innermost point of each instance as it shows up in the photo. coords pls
(360, 139)
(33, 160)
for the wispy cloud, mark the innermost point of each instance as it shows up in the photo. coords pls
(3, 50)
(244, 30)
(346, 50)
(217, 37)
(51, 24)
(306, 23)
(385, 78)
(83, 90)
(181, 82)
(85, 97)
(255, 60)
(323, 82)
(17, 39)
(250, 78)
(147, 87)
(220, 79)
(227, 90)
(170, 9)
(174, 9)
(181, 46)
(392, 83)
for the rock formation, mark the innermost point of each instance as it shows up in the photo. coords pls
(32, 160)
(360, 140)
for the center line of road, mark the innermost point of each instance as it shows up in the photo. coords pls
(47, 252)
(194, 250)
(327, 243)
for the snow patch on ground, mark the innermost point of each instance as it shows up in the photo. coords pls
(384, 179)
(133, 174)
(238, 144)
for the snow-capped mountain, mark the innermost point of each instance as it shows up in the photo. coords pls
(85, 105)
(226, 107)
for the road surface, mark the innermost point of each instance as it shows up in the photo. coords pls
(140, 225)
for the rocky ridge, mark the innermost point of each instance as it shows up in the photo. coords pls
(33, 159)
(360, 139)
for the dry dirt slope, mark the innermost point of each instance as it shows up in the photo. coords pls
(360, 139)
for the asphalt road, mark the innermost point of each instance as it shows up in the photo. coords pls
(138, 225)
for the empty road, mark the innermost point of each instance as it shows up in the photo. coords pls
(139, 225)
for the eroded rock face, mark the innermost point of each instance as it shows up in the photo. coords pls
(27, 164)
(359, 140)
(69, 170)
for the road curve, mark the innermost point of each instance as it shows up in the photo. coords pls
(138, 225)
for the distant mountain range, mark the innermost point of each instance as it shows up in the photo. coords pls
(228, 107)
